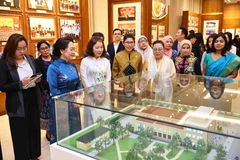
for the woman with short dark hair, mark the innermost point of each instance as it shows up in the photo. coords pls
(62, 77)
(43, 62)
(95, 68)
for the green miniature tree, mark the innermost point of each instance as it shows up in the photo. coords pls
(221, 153)
(187, 143)
(141, 131)
(149, 132)
(108, 123)
(137, 148)
(175, 141)
(150, 156)
(98, 145)
(159, 150)
(130, 155)
(171, 146)
(121, 131)
(114, 132)
(106, 141)
(100, 121)
(129, 127)
(201, 150)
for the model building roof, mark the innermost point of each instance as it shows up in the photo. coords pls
(92, 135)
(164, 112)
(159, 123)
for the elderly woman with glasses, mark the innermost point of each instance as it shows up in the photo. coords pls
(43, 62)
(159, 64)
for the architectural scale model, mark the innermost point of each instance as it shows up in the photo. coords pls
(143, 136)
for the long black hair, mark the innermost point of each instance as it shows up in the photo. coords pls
(225, 48)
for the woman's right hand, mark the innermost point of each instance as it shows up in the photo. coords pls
(26, 80)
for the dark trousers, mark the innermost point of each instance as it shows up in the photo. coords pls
(25, 131)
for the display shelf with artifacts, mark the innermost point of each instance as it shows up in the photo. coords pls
(42, 28)
(191, 21)
(146, 116)
(69, 8)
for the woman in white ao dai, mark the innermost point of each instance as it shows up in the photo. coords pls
(95, 68)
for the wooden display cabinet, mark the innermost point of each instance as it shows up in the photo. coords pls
(191, 21)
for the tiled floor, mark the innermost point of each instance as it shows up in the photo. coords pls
(6, 141)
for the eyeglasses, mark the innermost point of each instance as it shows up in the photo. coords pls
(129, 43)
(22, 49)
(157, 49)
(44, 48)
(142, 41)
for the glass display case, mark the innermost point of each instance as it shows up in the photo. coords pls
(146, 116)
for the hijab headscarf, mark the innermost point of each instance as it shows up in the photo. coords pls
(167, 52)
(185, 41)
(145, 53)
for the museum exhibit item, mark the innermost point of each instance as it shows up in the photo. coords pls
(152, 116)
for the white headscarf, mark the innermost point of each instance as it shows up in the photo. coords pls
(145, 53)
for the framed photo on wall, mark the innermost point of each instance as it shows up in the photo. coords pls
(154, 33)
(40, 4)
(210, 27)
(72, 6)
(42, 28)
(70, 27)
(161, 32)
(127, 17)
(10, 4)
(9, 25)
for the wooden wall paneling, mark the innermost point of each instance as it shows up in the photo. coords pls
(211, 6)
(84, 26)
(2, 104)
(231, 16)
(147, 19)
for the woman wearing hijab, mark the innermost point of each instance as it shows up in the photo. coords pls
(143, 48)
(185, 63)
(168, 51)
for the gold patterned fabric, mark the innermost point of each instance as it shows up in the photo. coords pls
(125, 64)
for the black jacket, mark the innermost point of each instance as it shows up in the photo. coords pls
(40, 65)
(11, 84)
(110, 50)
